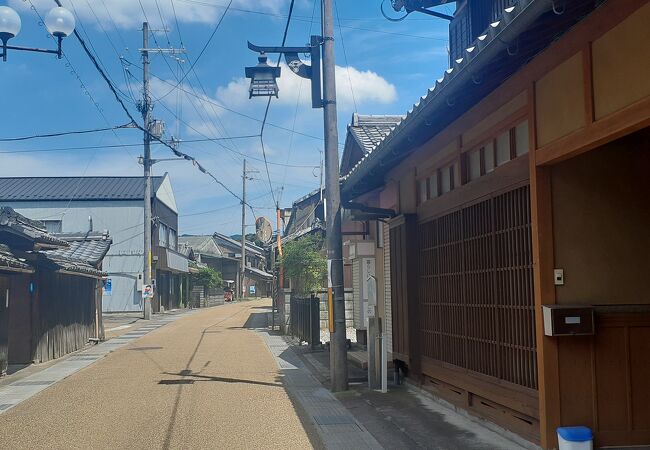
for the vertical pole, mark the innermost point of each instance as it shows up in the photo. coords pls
(338, 354)
(242, 273)
(146, 115)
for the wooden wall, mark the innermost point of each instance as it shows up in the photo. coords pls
(64, 316)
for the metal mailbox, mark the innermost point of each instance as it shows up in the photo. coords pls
(563, 320)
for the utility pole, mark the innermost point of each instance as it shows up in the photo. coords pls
(242, 273)
(146, 115)
(146, 108)
(336, 294)
(263, 84)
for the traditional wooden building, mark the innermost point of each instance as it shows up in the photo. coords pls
(51, 288)
(520, 187)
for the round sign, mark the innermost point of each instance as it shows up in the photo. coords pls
(263, 229)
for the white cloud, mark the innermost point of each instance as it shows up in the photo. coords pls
(352, 85)
(128, 13)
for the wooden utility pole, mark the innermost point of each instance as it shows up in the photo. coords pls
(336, 293)
(146, 115)
(242, 272)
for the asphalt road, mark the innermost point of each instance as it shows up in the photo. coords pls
(203, 381)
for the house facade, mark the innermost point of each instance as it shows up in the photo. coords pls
(116, 204)
(51, 290)
(518, 184)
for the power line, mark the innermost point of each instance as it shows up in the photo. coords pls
(345, 56)
(130, 116)
(225, 108)
(214, 31)
(268, 105)
(306, 19)
(65, 133)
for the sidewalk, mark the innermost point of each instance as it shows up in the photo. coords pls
(405, 417)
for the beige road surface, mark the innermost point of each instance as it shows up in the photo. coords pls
(203, 381)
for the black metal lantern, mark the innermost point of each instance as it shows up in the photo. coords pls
(263, 79)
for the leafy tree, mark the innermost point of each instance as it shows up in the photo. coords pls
(304, 264)
(207, 277)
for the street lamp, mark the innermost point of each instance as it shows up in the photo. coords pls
(59, 22)
(321, 98)
(263, 77)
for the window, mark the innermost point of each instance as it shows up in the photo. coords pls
(53, 226)
(503, 148)
(433, 185)
(521, 131)
(488, 156)
(422, 190)
(474, 164)
(446, 182)
(162, 235)
(172, 239)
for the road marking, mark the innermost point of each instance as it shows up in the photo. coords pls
(121, 327)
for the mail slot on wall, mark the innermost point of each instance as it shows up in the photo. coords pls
(561, 320)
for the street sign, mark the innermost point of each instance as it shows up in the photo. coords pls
(108, 287)
(263, 229)
(147, 292)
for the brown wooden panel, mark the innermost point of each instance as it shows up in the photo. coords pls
(639, 339)
(611, 378)
(576, 380)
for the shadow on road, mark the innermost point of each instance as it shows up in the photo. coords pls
(198, 377)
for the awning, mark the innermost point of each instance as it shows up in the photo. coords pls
(260, 273)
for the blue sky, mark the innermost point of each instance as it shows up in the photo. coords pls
(383, 68)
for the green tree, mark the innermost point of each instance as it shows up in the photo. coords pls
(207, 277)
(304, 264)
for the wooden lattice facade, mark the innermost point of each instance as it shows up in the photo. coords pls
(475, 289)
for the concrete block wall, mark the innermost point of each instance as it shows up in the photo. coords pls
(349, 309)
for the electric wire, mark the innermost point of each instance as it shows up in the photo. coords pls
(268, 105)
(345, 56)
(64, 133)
(178, 153)
(205, 46)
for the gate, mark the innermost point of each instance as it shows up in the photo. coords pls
(305, 319)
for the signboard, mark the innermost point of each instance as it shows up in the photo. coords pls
(108, 287)
(251, 289)
(147, 292)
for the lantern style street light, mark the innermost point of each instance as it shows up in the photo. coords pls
(59, 22)
(263, 76)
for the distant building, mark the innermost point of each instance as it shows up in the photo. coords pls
(223, 254)
(50, 286)
(116, 204)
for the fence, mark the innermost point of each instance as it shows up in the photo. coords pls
(305, 319)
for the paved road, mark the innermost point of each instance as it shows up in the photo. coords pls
(203, 381)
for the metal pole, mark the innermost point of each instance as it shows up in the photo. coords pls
(338, 340)
(243, 235)
(146, 115)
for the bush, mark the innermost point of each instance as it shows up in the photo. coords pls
(304, 264)
(207, 277)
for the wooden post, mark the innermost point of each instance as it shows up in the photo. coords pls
(543, 264)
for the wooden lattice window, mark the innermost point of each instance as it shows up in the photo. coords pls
(476, 289)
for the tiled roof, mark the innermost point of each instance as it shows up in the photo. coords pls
(261, 273)
(72, 267)
(90, 247)
(12, 223)
(204, 245)
(442, 95)
(369, 131)
(74, 188)
(10, 262)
